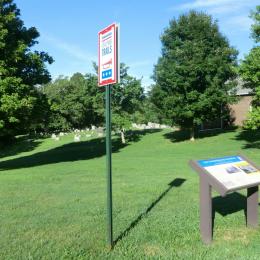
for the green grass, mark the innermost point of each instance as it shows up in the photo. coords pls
(53, 199)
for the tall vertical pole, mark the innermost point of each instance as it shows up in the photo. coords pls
(109, 167)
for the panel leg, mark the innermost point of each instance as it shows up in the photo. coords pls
(252, 206)
(205, 210)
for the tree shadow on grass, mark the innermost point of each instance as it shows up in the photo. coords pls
(252, 138)
(175, 183)
(70, 152)
(227, 205)
(184, 135)
(134, 135)
(19, 145)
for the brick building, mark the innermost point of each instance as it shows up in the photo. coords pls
(239, 111)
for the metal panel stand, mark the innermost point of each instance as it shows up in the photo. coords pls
(209, 180)
(252, 207)
(205, 210)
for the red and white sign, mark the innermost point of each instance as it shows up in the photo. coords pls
(108, 55)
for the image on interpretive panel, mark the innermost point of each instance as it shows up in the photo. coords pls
(248, 168)
(232, 169)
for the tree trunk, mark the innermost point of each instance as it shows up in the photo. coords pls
(192, 134)
(122, 136)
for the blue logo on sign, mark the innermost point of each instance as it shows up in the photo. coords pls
(106, 74)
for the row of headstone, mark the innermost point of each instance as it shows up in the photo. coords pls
(55, 137)
(99, 131)
(87, 129)
(77, 138)
(80, 130)
(79, 133)
(149, 125)
(60, 134)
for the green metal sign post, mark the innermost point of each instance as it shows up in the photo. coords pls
(108, 74)
(109, 167)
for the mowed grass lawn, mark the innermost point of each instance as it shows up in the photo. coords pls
(53, 199)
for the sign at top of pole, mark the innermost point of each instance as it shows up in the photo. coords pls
(108, 55)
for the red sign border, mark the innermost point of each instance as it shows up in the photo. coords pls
(108, 81)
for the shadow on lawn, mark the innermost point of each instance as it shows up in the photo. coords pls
(252, 138)
(175, 183)
(19, 145)
(71, 152)
(134, 135)
(227, 205)
(184, 135)
(230, 204)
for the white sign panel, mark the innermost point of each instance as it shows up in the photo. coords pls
(107, 55)
(231, 171)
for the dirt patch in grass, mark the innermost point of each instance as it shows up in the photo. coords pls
(152, 250)
(242, 235)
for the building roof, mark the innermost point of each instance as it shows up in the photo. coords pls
(241, 90)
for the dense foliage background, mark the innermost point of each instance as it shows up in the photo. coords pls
(194, 80)
(21, 69)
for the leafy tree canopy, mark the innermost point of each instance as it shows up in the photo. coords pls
(126, 100)
(194, 74)
(20, 71)
(250, 69)
(250, 72)
(78, 102)
(255, 15)
(75, 102)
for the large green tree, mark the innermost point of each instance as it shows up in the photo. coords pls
(75, 102)
(194, 74)
(250, 72)
(147, 112)
(78, 102)
(21, 69)
(127, 97)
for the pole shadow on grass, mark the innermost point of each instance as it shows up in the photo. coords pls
(71, 152)
(227, 205)
(175, 183)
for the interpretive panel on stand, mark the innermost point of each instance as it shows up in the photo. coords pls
(234, 172)
(225, 175)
